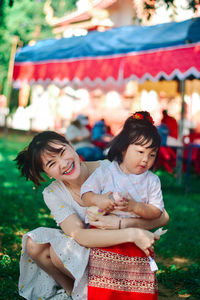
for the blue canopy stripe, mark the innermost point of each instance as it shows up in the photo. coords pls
(113, 56)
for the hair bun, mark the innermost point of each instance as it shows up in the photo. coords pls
(143, 115)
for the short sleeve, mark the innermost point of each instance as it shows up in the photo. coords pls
(94, 182)
(58, 203)
(155, 193)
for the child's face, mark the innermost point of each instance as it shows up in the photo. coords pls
(64, 165)
(138, 159)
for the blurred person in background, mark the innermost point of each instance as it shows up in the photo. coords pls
(80, 137)
(171, 123)
(101, 134)
(168, 130)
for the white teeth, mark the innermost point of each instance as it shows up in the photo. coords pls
(69, 170)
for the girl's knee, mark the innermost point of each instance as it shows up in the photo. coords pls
(34, 250)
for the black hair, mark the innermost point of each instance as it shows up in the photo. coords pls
(29, 160)
(138, 129)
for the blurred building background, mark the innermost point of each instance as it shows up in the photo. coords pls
(49, 107)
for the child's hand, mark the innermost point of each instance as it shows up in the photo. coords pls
(105, 202)
(131, 204)
(123, 203)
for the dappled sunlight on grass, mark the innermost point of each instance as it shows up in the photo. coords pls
(177, 252)
(21, 232)
(181, 260)
(175, 261)
(8, 184)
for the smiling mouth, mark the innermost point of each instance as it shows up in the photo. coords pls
(70, 170)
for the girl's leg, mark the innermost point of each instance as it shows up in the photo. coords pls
(45, 257)
(59, 265)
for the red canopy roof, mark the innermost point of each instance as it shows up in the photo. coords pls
(113, 57)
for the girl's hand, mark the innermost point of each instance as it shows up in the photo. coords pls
(143, 239)
(103, 222)
(122, 204)
(105, 202)
(126, 205)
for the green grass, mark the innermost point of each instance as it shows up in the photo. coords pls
(179, 250)
(22, 209)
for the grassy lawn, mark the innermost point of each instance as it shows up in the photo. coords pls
(22, 209)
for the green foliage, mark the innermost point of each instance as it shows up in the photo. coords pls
(22, 209)
(21, 19)
(25, 19)
(60, 6)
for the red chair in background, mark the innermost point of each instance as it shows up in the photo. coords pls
(167, 159)
(192, 138)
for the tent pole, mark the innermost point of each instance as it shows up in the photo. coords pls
(9, 78)
(179, 156)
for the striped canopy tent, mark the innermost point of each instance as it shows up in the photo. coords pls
(111, 58)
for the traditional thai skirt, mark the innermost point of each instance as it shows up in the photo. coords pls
(120, 272)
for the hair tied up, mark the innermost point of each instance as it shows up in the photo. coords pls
(23, 163)
(150, 119)
(140, 116)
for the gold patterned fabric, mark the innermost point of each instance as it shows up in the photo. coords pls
(120, 272)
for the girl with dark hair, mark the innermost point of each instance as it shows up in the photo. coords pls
(58, 258)
(136, 192)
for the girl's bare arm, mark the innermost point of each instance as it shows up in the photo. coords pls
(145, 223)
(74, 227)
